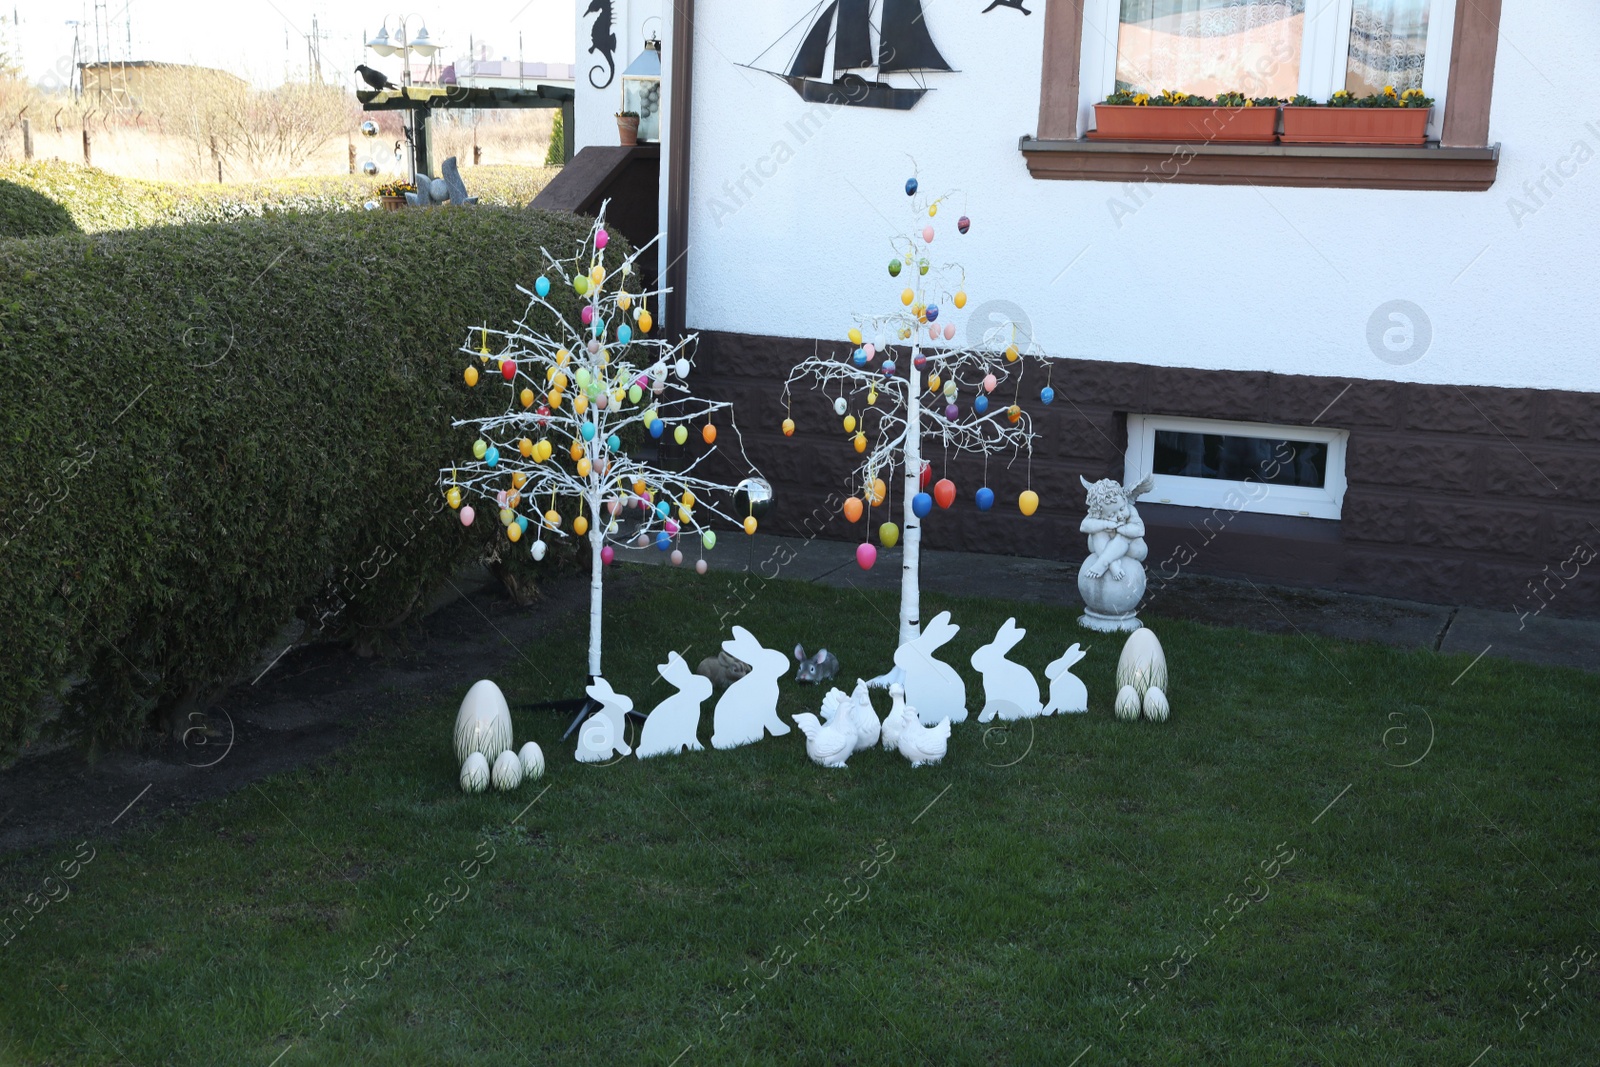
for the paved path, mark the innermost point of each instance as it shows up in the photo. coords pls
(1543, 639)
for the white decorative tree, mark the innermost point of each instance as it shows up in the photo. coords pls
(907, 385)
(576, 392)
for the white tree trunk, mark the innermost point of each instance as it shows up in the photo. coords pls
(597, 538)
(910, 597)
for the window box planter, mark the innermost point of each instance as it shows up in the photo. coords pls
(1125, 122)
(392, 203)
(1355, 125)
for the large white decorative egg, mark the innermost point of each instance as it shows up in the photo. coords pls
(532, 762)
(1127, 704)
(1155, 704)
(1142, 663)
(507, 772)
(484, 722)
(475, 773)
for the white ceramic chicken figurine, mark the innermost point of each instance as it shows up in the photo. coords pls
(828, 744)
(893, 722)
(868, 728)
(922, 744)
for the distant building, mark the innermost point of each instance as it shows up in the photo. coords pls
(504, 74)
(137, 83)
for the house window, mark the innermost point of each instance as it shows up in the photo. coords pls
(1238, 466)
(1267, 48)
(1280, 48)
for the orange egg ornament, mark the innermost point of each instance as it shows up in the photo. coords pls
(879, 491)
(852, 509)
(788, 427)
(708, 434)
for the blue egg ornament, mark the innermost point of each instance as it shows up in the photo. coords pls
(1047, 395)
(657, 428)
(491, 456)
(911, 187)
(542, 286)
(921, 505)
(985, 498)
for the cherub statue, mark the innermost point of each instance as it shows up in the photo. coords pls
(1114, 527)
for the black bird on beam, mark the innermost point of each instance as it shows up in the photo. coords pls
(1006, 3)
(375, 78)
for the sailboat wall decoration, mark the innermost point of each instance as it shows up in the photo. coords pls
(904, 46)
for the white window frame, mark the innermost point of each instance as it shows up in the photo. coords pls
(1240, 496)
(1325, 53)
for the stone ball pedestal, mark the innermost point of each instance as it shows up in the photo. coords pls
(1109, 604)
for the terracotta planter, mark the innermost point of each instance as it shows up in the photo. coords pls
(628, 129)
(392, 203)
(1355, 125)
(1125, 122)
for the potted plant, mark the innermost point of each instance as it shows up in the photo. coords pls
(1388, 117)
(628, 127)
(393, 194)
(1175, 116)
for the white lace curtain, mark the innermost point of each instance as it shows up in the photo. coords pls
(1212, 46)
(1388, 42)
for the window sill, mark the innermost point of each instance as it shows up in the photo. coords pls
(1215, 163)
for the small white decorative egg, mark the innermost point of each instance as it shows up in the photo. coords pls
(1127, 704)
(475, 774)
(507, 773)
(538, 550)
(683, 368)
(532, 762)
(839, 406)
(1155, 704)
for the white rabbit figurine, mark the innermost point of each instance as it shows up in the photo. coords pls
(1068, 694)
(932, 686)
(1009, 689)
(672, 725)
(750, 705)
(601, 733)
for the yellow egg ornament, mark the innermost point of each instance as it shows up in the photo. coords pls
(580, 404)
(597, 275)
(562, 355)
(960, 299)
(471, 376)
(1011, 353)
(855, 336)
(645, 322)
(860, 441)
(907, 297)
(934, 382)
(584, 467)
(514, 532)
(788, 427)
(872, 396)
(525, 446)
(750, 524)
(453, 497)
(580, 525)
(526, 397)
(507, 516)
(624, 301)
(687, 499)
(1028, 501)
(849, 424)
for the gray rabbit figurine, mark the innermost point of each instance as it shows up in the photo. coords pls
(819, 668)
(723, 669)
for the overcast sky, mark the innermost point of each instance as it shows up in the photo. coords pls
(261, 39)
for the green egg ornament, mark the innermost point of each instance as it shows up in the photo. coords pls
(580, 284)
(709, 540)
(479, 448)
(922, 266)
(680, 435)
(894, 268)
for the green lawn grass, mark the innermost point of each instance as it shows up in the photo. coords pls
(1251, 883)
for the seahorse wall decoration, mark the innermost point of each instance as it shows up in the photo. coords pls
(603, 40)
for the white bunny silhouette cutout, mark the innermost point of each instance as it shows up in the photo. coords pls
(932, 686)
(750, 705)
(1068, 694)
(672, 725)
(1009, 689)
(600, 736)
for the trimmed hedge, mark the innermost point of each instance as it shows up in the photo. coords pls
(210, 429)
(26, 213)
(95, 201)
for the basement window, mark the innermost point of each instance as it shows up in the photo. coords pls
(1238, 466)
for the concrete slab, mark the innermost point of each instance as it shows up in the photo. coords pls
(1215, 601)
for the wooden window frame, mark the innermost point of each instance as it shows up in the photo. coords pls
(1462, 159)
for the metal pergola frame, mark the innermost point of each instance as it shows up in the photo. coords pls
(422, 100)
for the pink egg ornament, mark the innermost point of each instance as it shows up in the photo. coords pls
(927, 235)
(989, 383)
(677, 558)
(700, 566)
(607, 554)
(467, 515)
(949, 331)
(601, 239)
(866, 555)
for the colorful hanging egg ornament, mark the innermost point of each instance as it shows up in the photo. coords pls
(852, 509)
(932, 312)
(859, 358)
(677, 558)
(1047, 395)
(866, 555)
(985, 498)
(952, 412)
(981, 404)
(888, 366)
(960, 299)
(681, 434)
(580, 284)
(700, 566)
(911, 187)
(491, 456)
(750, 525)
(840, 406)
(889, 534)
(907, 297)
(527, 398)
(601, 239)
(933, 209)
(645, 322)
(949, 331)
(657, 428)
(614, 443)
(944, 492)
(663, 541)
(542, 286)
(467, 515)
(453, 497)
(580, 525)
(470, 375)
(963, 224)
(624, 333)
(607, 554)
(927, 235)
(894, 268)
(921, 505)
(922, 266)
(708, 434)
(1028, 502)
(708, 540)
(514, 533)
(588, 431)
(859, 441)
(1014, 413)
(849, 424)
(854, 335)
(879, 491)
(587, 314)
(989, 382)
(538, 551)
(788, 427)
